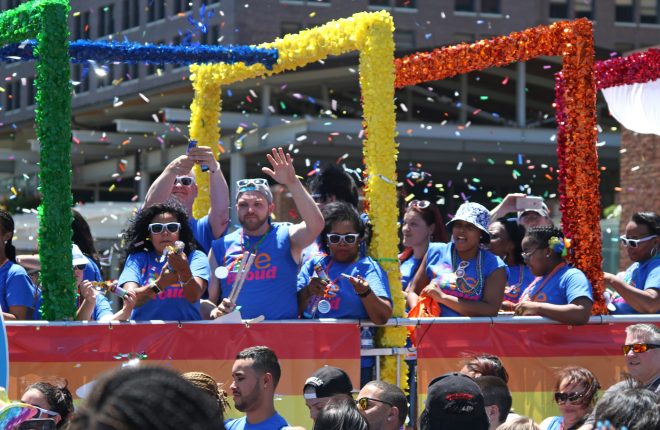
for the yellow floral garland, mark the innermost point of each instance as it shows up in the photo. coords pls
(370, 33)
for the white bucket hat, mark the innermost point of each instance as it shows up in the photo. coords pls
(475, 214)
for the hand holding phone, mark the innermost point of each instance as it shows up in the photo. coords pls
(529, 202)
(38, 424)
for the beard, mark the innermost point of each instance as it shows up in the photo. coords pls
(247, 401)
(252, 222)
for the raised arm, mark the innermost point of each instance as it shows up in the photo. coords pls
(161, 189)
(305, 232)
(507, 205)
(218, 189)
(575, 313)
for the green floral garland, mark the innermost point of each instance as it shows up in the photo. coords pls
(46, 20)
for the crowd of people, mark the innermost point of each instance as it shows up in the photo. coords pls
(476, 397)
(510, 260)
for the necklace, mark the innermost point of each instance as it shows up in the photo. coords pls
(465, 284)
(528, 296)
(237, 263)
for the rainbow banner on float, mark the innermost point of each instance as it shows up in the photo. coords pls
(80, 352)
(530, 352)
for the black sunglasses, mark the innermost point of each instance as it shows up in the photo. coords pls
(639, 348)
(568, 397)
(79, 266)
(363, 402)
(157, 227)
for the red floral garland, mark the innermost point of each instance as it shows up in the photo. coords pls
(576, 118)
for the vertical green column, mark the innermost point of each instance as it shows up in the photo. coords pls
(53, 123)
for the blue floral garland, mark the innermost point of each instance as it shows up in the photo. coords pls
(82, 51)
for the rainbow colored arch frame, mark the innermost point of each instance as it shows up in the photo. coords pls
(575, 101)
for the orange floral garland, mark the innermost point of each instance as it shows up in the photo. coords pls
(576, 135)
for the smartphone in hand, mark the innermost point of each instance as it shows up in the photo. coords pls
(38, 424)
(529, 202)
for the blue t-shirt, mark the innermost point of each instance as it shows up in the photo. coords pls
(276, 422)
(270, 286)
(555, 423)
(442, 261)
(311, 251)
(202, 232)
(144, 267)
(562, 288)
(344, 301)
(408, 270)
(92, 272)
(16, 287)
(641, 276)
(519, 279)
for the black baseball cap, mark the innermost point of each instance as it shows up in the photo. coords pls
(327, 381)
(454, 401)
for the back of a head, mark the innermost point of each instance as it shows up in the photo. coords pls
(334, 181)
(210, 387)
(340, 414)
(496, 393)
(394, 395)
(145, 398)
(519, 423)
(265, 361)
(485, 365)
(624, 408)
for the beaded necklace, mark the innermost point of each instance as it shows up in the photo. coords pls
(465, 284)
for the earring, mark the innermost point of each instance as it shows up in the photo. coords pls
(654, 252)
(389, 418)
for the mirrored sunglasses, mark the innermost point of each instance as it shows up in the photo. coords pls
(419, 204)
(349, 238)
(634, 243)
(363, 403)
(185, 181)
(242, 183)
(158, 227)
(568, 397)
(639, 348)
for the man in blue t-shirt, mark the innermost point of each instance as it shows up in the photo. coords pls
(256, 373)
(269, 288)
(178, 180)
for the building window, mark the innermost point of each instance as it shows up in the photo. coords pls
(649, 11)
(13, 96)
(181, 6)
(404, 39)
(463, 37)
(583, 9)
(106, 20)
(131, 14)
(307, 2)
(130, 72)
(80, 77)
(104, 81)
(156, 10)
(289, 28)
(81, 26)
(624, 11)
(31, 92)
(490, 6)
(465, 6)
(559, 9)
(11, 4)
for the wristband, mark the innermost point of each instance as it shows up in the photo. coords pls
(365, 294)
(155, 288)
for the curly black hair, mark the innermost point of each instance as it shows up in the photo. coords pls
(516, 233)
(340, 211)
(335, 181)
(136, 235)
(541, 235)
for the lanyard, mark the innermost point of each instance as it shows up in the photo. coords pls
(468, 285)
(237, 263)
(528, 296)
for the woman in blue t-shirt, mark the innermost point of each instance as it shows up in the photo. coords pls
(18, 296)
(352, 287)
(464, 278)
(506, 237)
(422, 224)
(639, 290)
(575, 394)
(168, 285)
(559, 292)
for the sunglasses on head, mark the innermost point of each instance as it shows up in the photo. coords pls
(242, 183)
(349, 238)
(634, 243)
(419, 204)
(45, 413)
(157, 227)
(639, 348)
(79, 266)
(363, 403)
(186, 181)
(568, 397)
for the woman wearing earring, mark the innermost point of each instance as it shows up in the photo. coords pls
(506, 237)
(559, 292)
(168, 284)
(422, 224)
(18, 296)
(639, 290)
(463, 278)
